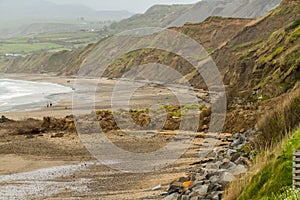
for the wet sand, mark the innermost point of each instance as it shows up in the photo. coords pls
(40, 154)
(61, 109)
(66, 175)
(142, 98)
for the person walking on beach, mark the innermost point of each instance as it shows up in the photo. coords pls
(50, 104)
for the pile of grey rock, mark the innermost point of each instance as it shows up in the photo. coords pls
(214, 174)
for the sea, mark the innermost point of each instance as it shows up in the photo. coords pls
(19, 95)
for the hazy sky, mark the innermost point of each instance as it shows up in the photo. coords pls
(136, 6)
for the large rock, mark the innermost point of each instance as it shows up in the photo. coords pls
(235, 157)
(228, 165)
(217, 186)
(216, 196)
(238, 170)
(201, 190)
(173, 196)
(213, 166)
(243, 161)
(176, 187)
(227, 177)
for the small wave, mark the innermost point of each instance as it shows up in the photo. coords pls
(19, 95)
(3, 103)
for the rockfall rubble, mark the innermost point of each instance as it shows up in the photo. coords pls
(230, 161)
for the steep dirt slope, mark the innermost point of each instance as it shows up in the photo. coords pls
(260, 59)
(263, 59)
(228, 8)
(211, 33)
(214, 31)
(178, 15)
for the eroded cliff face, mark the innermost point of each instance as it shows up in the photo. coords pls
(228, 8)
(255, 57)
(211, 33)
(264, 57)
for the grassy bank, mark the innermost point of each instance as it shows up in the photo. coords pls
(274, 179)
(271, 174)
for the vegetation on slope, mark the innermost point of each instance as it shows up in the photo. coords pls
(258, 59)
(271, 173)
(276, 175)
(211, 33)
(263, 59)
(214, 31)
(284, 118)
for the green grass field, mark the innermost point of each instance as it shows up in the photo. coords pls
(48, 42)
(27, 47)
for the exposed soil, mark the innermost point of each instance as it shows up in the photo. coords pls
(50, 148)
(45, 143)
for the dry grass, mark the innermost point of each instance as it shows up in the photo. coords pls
(235, 189)
(28, 126)
(269, 155)
(274, 127)
(283, 119)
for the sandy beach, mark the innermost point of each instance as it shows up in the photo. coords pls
(61, 109)
(42, 155)
(142, 98)
(29, 153)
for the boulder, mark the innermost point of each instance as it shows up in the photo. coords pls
(230, 152)
(228, 165)
(201, 190)
(235, 157)
(176, 187)
(215, 187)
(238, 170)
(213, 166)
(173, 196)
(185, 197)
(214, 179)
(227, 177)
(243, 161)
(216, 196)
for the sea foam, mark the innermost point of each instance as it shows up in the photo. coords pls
(19, 95)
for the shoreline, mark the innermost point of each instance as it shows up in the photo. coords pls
(102, 97)
(62, 102)
(42, 151)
